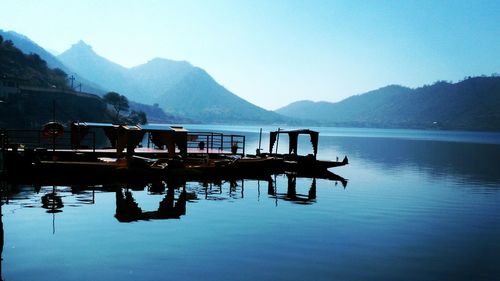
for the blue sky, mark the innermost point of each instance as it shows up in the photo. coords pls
(276, 52)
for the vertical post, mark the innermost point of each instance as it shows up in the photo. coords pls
(208, 144)
(260, 139)
(212, 140)
(277, 140)
(244, 145)
(231, 144)
(93, 141)
(53, 135)
(72, 78)
(221, 142)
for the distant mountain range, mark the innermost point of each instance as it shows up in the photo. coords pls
(27, 46)
(176, 86)
(472, 104)
(189, 94)
(31, 93)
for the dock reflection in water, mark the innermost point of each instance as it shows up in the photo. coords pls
(55, 200)
(172, 207)
(127, 209)
(173, 204)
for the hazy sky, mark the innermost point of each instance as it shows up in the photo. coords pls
(276, 52)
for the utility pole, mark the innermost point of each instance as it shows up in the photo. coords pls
(72, 78)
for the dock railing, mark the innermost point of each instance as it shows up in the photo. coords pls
(197, 142)
(215, 143)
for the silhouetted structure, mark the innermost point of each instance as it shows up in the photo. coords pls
(127, 210)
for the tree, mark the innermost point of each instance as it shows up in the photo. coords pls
(59, 72)
(138, 117)
(119, 103)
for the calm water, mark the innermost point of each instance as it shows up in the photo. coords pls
(418, 206)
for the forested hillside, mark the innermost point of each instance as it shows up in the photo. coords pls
(30, 93)
(472, 104)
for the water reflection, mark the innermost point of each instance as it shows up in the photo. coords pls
(127, 209)
(173, 204)
(2, 192)
(55, 199)
(52, 202)
(469, 162)
(293, 196)
(1, 240)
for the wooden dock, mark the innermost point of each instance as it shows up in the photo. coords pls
(192, 144)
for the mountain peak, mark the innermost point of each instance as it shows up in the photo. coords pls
(82, 46)
(82, 59)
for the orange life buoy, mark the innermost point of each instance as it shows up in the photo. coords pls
(52, 130)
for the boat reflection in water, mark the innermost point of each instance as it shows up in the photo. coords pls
(293, 196)
(177, 193)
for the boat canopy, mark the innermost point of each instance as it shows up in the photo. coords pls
(293, 136)
(169, 137)
(131, 135)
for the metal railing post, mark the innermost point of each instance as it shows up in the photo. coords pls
(244, 142)
(211, 140)
(208, 144)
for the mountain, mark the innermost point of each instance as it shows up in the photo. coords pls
(27, 46)
(84, 61)
(176, 86)
(29, 90)
(18, 67)
(472, 104)
(199, 96)
(158, 76)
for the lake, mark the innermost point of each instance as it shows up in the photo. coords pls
(418, 205)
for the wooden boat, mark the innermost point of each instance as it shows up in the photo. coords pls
(293, 161)
(262, 164)
(307, 163)
(224, 168)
